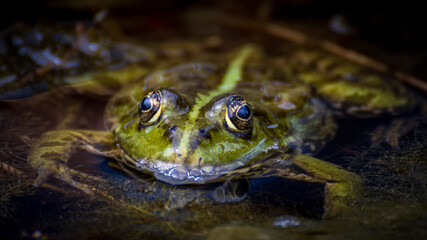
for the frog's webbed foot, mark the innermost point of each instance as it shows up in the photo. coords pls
(49, 155)
(392, 132)
(342, 188)
(232, 190)
(63, 173)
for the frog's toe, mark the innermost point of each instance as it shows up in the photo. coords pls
(62, 173)
(41, 178)
(82, 175)
(392, 132)
(44, 171)
(231, 191)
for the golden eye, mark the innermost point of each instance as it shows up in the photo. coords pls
(239, 116)
(150, 108)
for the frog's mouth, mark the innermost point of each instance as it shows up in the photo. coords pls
(179, 174)
(182, 174)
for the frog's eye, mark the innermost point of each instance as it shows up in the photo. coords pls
(150, 108)
(239, 116)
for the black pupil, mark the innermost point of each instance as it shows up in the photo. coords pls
(244, 112)
(145, 104)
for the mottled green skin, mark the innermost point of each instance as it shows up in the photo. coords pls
(185, 147)
(287, 115)
(292, 99)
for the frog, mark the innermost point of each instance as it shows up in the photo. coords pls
(241, 114)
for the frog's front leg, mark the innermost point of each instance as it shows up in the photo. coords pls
(49, 155)
(341, 187)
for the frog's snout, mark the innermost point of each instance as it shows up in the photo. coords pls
(185, 142)
(204, 134)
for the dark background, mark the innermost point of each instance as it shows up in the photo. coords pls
(394, 29)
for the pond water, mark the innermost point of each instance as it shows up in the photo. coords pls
(45, 59)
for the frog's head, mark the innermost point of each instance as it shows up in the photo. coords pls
(182, 141)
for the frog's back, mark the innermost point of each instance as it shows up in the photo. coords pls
(344, 86)
(350, 88)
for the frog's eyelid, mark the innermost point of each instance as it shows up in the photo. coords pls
(231, 125)
(155, 117)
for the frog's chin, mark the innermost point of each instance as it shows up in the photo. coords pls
(181, 174)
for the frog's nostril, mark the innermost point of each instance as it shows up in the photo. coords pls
(203, 133)
(170, 132)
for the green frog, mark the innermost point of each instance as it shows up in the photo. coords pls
(240, 114)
